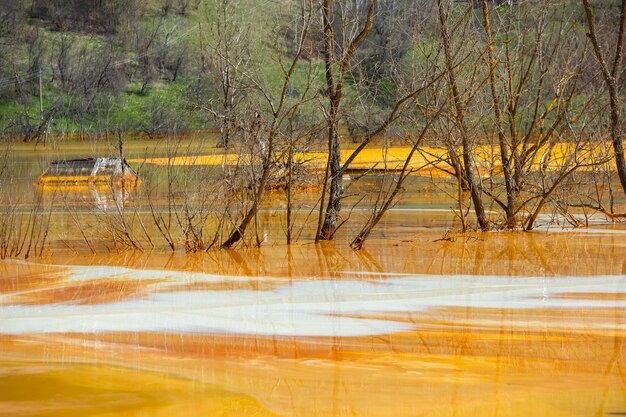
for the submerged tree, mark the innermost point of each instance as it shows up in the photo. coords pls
(611, 72)
(337, 59)
(345, 29)
(459, 116)
(537, 102)
(281, 110)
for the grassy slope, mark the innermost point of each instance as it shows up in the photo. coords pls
(130, 109)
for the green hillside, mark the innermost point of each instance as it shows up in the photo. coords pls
(151, 71)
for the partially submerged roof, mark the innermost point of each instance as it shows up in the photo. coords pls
(90, 170)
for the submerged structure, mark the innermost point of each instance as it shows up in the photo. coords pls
(114, 171)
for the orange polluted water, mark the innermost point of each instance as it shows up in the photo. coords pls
(503, 325)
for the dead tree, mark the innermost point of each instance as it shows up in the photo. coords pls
(461, 124)
(502, 141)
(611, 71)
(280, 109)
(389, 199)
(335, 81)
(532, 87)
(227, 54)
(336, 71)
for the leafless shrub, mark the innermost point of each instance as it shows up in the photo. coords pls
(103, 16)
(11, 17)
(22, 232)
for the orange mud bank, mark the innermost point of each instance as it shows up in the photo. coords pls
(528, 324)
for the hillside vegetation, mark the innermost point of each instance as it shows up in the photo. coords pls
(142, 66)
(155, 66)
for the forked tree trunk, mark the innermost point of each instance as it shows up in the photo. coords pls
(511, 194)
(468, 164)
(334, 85)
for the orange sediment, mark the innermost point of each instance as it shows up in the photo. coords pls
(427, 161)
(69, 180)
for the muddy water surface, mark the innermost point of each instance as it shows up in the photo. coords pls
(507, 325)
(420, 322)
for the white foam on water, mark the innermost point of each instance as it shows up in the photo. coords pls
(91, 273)
(316, 307)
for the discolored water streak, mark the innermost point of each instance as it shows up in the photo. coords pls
(191, 302)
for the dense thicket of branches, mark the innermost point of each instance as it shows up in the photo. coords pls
(105, 16)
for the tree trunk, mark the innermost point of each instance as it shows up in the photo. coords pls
(617, 137)
(511, 194)
(611, 77)
(335, 192)
(460, 120)
(327, 230)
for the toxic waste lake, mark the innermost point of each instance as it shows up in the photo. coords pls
(421, 321)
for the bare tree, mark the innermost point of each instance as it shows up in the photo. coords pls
(460, 118)
(145, 39)
(387, 199)
(335, 81)
(534, 80)
(225, 51)
(611, 73)
(281, 110)
(339, 50)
